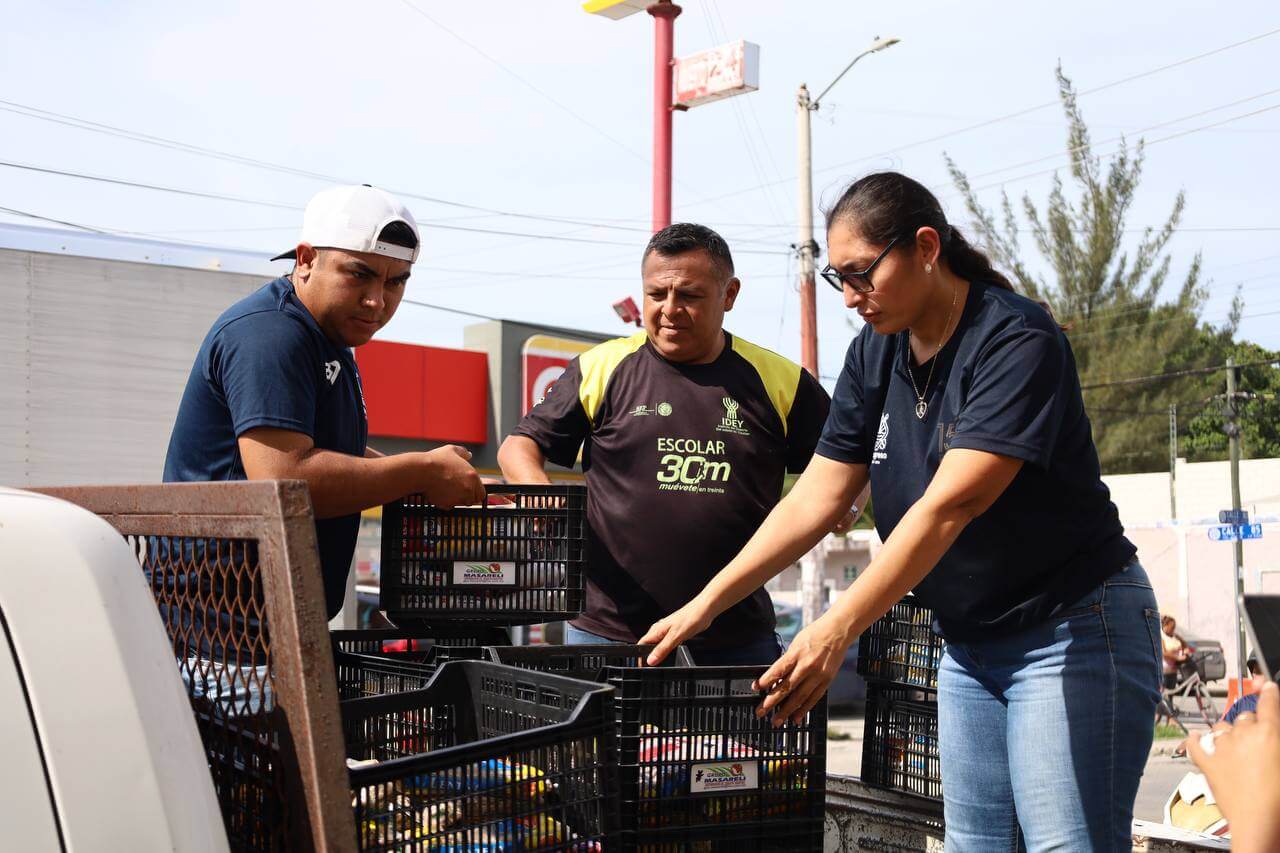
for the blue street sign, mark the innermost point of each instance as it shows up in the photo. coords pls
(1232, 532)
(1233, 516)
(1226, 533)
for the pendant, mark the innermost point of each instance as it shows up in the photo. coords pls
(922, 409)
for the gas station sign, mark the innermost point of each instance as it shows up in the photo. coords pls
(544, 358)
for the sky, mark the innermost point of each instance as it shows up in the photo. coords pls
(511, 115)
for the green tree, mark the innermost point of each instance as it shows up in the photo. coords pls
(1258, 412)
(1113, 294)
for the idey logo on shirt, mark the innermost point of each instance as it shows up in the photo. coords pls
(730, 422)
(331, 370)
(882, 440)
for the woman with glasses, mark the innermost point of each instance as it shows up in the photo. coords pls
(960, 404)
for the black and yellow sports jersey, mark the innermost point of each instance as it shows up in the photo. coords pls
(683, 462)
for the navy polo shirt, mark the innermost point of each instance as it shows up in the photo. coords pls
(1005, 383)
(266, 363)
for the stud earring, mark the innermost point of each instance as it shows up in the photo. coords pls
(928, 268)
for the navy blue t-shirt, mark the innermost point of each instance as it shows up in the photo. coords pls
(1005, 383)
(266, 363)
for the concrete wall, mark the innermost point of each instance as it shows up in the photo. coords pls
(1203, 488)
(94, 356)
(1193, 575)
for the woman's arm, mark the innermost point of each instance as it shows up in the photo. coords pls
(965, 486)
(819, 498)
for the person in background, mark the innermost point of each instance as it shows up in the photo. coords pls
(960, 402)
(1174, 651)
(1241, 762)
(1247, 704)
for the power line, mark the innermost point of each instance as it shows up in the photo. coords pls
(177, 145)
(1194, 371)
(37, 216)
(1146, 143)
(1152, 308)
(1161, 322)
(525, 82)
(1016, 114)
(1089, 145)
(265, 203)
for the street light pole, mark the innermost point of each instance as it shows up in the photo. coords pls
(805, 245)
(664, 19)
(810, 580)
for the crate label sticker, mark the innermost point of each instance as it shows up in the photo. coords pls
(720, 776)
(484, 574)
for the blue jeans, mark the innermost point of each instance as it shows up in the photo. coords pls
(1044, 735)
(763, 650)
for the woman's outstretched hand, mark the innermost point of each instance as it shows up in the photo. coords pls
(670, 631)
(799, 678)
(1249, 801)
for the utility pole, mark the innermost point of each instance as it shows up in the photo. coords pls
(1173, 462)
(1232, 429)
(664, 24)
(807, 247)
(810, 579)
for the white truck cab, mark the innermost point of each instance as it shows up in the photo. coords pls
(99, 743)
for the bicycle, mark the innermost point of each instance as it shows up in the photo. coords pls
(1193, 676)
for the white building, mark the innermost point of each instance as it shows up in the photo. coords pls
(1193, 575)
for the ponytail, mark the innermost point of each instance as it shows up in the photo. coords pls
(969, 263)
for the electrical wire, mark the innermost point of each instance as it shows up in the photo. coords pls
(265, 203)
(176, 145)
(37, 216)
(1122, 137)
(1155, 377)
(1146, 144)
(1016, 114)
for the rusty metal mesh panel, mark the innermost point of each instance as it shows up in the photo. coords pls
(210, 595)
(236, 577)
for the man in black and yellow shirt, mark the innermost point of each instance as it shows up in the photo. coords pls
(688, 433)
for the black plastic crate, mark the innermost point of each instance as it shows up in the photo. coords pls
(901, 648)
(699, 771)
(584, 661)
(384, 640)
(900, 742)
(517, 560)
(486, 758)
(395, 672)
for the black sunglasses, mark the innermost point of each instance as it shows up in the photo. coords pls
(860, 280)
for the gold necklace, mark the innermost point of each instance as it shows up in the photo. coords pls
(922, 408)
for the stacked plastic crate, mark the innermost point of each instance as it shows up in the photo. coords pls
(899, 656)
(454, 580)
(679, 760)
(447, 749)
(697, 769)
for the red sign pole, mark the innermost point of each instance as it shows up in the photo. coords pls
(664, 20)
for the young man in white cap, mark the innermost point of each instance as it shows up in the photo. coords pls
(275, 393)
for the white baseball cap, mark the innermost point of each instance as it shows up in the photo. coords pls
(353, 218)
